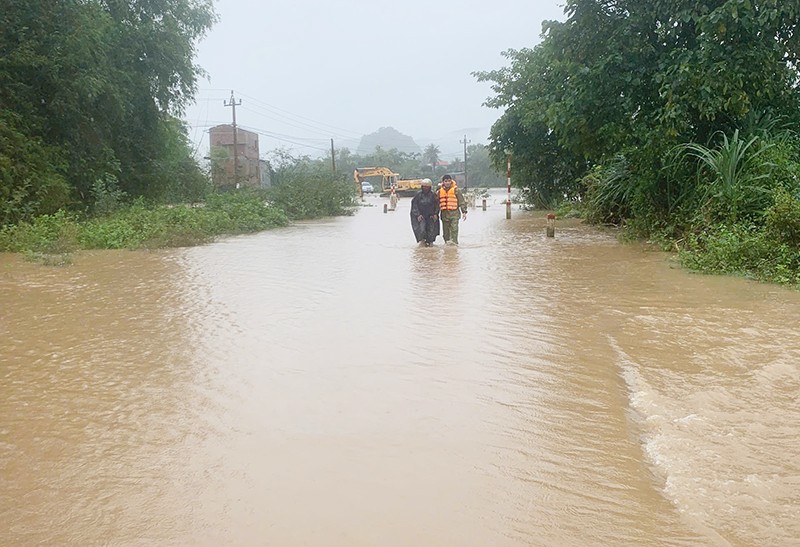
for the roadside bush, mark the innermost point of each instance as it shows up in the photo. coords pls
(306, 191)
(569, 208)
(744, 250)
(140, 226)
(241, 211)
(49, 234)
(608, 192)
(129, 228)
(783, 219)
(106, 194)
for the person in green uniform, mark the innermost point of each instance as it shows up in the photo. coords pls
(452, 208)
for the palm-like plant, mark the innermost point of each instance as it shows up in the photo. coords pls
(738, 172)
(431, 156)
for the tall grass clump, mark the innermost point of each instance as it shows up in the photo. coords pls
(733, 177)
(609, 191)
(748, 220)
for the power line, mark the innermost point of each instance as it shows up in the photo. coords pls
(272, 135)
(318, 130)
(269, 111)
(265, 133)
(268, 106)
(304, 126)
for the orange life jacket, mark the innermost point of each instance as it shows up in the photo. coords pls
(447, 199)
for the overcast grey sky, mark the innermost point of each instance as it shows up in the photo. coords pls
(307, 71)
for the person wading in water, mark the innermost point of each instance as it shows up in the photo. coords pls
(452, 206)
(425, 215)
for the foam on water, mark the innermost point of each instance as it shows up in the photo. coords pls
(722, 447)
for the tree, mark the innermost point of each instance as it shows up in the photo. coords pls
(622, 82)
(100, 83)
(481, 172)
(303, 188)
(430, 156)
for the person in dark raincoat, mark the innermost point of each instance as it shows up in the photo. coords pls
(425, 215)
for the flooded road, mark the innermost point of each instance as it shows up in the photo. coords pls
(332, 384)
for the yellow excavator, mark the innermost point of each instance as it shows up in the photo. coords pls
(389, 180)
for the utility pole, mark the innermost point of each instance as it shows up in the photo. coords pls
(333, 158)
(465, 141)
(232, 103)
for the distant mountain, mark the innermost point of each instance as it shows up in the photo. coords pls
(450, 144)
(387, 138)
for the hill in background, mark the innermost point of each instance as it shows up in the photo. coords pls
(387, 138)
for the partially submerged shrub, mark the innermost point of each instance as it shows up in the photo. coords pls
(50, 234)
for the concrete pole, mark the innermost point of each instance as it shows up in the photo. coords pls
(465, 141)
(551, 225)
(232, 103)
(508, 178)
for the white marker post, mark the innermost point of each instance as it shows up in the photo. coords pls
(508, 177)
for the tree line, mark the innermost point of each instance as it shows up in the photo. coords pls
(675, 119)
(91, 95)
(426, 164)
(93, 152)
(91, 98)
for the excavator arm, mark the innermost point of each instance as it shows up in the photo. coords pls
(388, 177)
(390, 181)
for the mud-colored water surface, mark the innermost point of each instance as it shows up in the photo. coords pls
(332, 384)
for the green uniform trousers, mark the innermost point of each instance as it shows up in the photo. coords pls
(450, 225)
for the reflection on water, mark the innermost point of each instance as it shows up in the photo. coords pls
(333, 384)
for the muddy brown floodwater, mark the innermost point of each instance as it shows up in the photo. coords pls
(332, 384)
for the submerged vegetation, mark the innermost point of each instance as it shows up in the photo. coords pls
(92, 150)
(303, 192)
(673, 120)
(93, 153)
(670, 119)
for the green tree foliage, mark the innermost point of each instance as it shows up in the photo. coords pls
(91, 90)
(306, 189)
(407, 164)
(480, 170)
(31, 174)
(634, 78)
(666, 116)
(430, 157)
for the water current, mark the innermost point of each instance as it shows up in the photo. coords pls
(331, 383)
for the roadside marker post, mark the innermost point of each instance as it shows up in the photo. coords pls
(551, 225)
